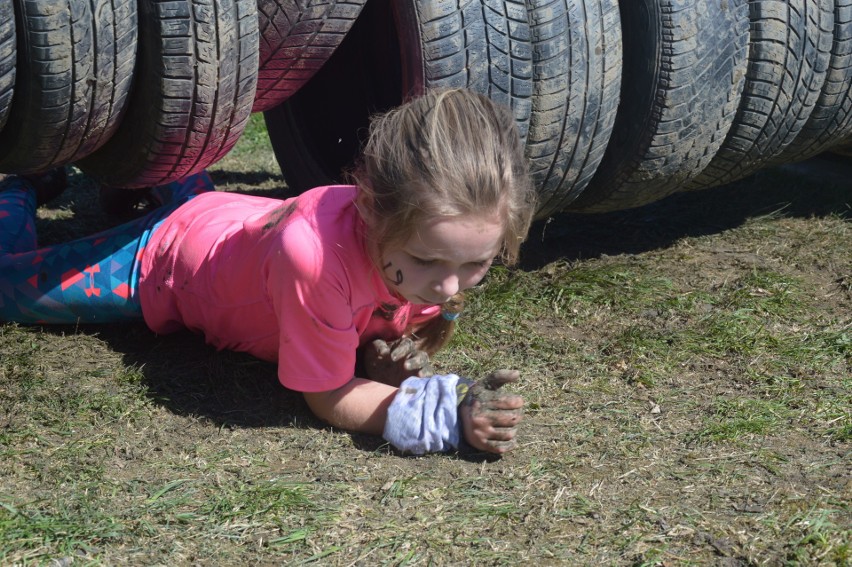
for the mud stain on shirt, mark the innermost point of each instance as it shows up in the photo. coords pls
(279, 215)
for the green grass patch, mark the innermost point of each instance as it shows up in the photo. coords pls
(686, 369)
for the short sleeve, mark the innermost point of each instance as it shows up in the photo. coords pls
(310, 294)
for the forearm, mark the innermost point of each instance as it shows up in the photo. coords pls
(421, 417)
(359, 405)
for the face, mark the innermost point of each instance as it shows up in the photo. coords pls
(444, 256)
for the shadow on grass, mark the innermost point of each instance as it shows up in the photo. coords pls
(817, 188)
(180, 372)
(233, 389)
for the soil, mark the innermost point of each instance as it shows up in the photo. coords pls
(624, 456)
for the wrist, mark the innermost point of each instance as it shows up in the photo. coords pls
(462, 387)
(424, 415)
(463, 414)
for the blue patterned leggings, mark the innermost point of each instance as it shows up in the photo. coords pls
(91, 280)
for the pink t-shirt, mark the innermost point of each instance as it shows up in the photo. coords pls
(287, 281)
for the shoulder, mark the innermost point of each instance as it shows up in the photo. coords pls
(330, 203)
(319, 232)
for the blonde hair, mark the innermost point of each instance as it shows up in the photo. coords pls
(447, 153)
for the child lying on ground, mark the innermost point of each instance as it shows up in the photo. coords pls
(348, 289)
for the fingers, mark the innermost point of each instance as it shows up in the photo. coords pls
(416, 362)
(397, 350)
(492, 430)
(393, 362)
(502, 446)
(499, 378)
(402, 348)
(490, 416)
(500, 418)
(381, 347)
(495, 439)
(492, 401)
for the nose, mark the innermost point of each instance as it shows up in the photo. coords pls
(447, 286)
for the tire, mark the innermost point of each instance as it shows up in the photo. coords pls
(397, 49)
(576, 87)
(296, 38)
(842, 148)
(74, 70)
(831, 119)
(195, 86)
(790, 47)
(684, 65)
(122, 203)
(483, 45)
(8, 53)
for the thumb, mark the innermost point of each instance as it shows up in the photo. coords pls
(500, 377)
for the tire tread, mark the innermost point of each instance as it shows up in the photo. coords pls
(194, 93)
(296, 39)
(790, 44)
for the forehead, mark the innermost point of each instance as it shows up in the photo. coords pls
(458, 238)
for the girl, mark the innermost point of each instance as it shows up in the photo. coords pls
(348, 288)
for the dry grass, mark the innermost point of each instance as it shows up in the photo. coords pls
(687, 370)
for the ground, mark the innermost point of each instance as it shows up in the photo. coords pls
(686, 368)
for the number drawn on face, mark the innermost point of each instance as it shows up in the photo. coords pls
(398, 279)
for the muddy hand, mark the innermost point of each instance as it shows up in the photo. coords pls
(490, 416)
(393, 362)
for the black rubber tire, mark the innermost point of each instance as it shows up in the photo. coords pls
(121, 202)
(790, 44)
(684, 65)
(842, 147)
(483, 45)
(196, 78)
(397, 49)
(8, 54)
(296, 38)
(831, 120)
(74, 70)
(577, 56)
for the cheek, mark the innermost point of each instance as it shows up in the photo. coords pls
(401, 273)
(475, 277)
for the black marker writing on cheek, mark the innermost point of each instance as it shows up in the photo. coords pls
(399, 277)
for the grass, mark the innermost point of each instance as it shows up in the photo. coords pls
(687, 375)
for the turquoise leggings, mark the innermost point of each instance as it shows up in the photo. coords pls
(91, 280)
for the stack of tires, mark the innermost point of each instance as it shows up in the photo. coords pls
(134, 94)
(137, 93)
(620, 103)
(556, 63)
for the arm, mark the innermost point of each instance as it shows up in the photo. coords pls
(359, 405)
(488, 418)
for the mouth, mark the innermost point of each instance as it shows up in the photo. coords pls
(431, 302)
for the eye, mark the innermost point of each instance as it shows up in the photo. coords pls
(482, 264)
(421, 261)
